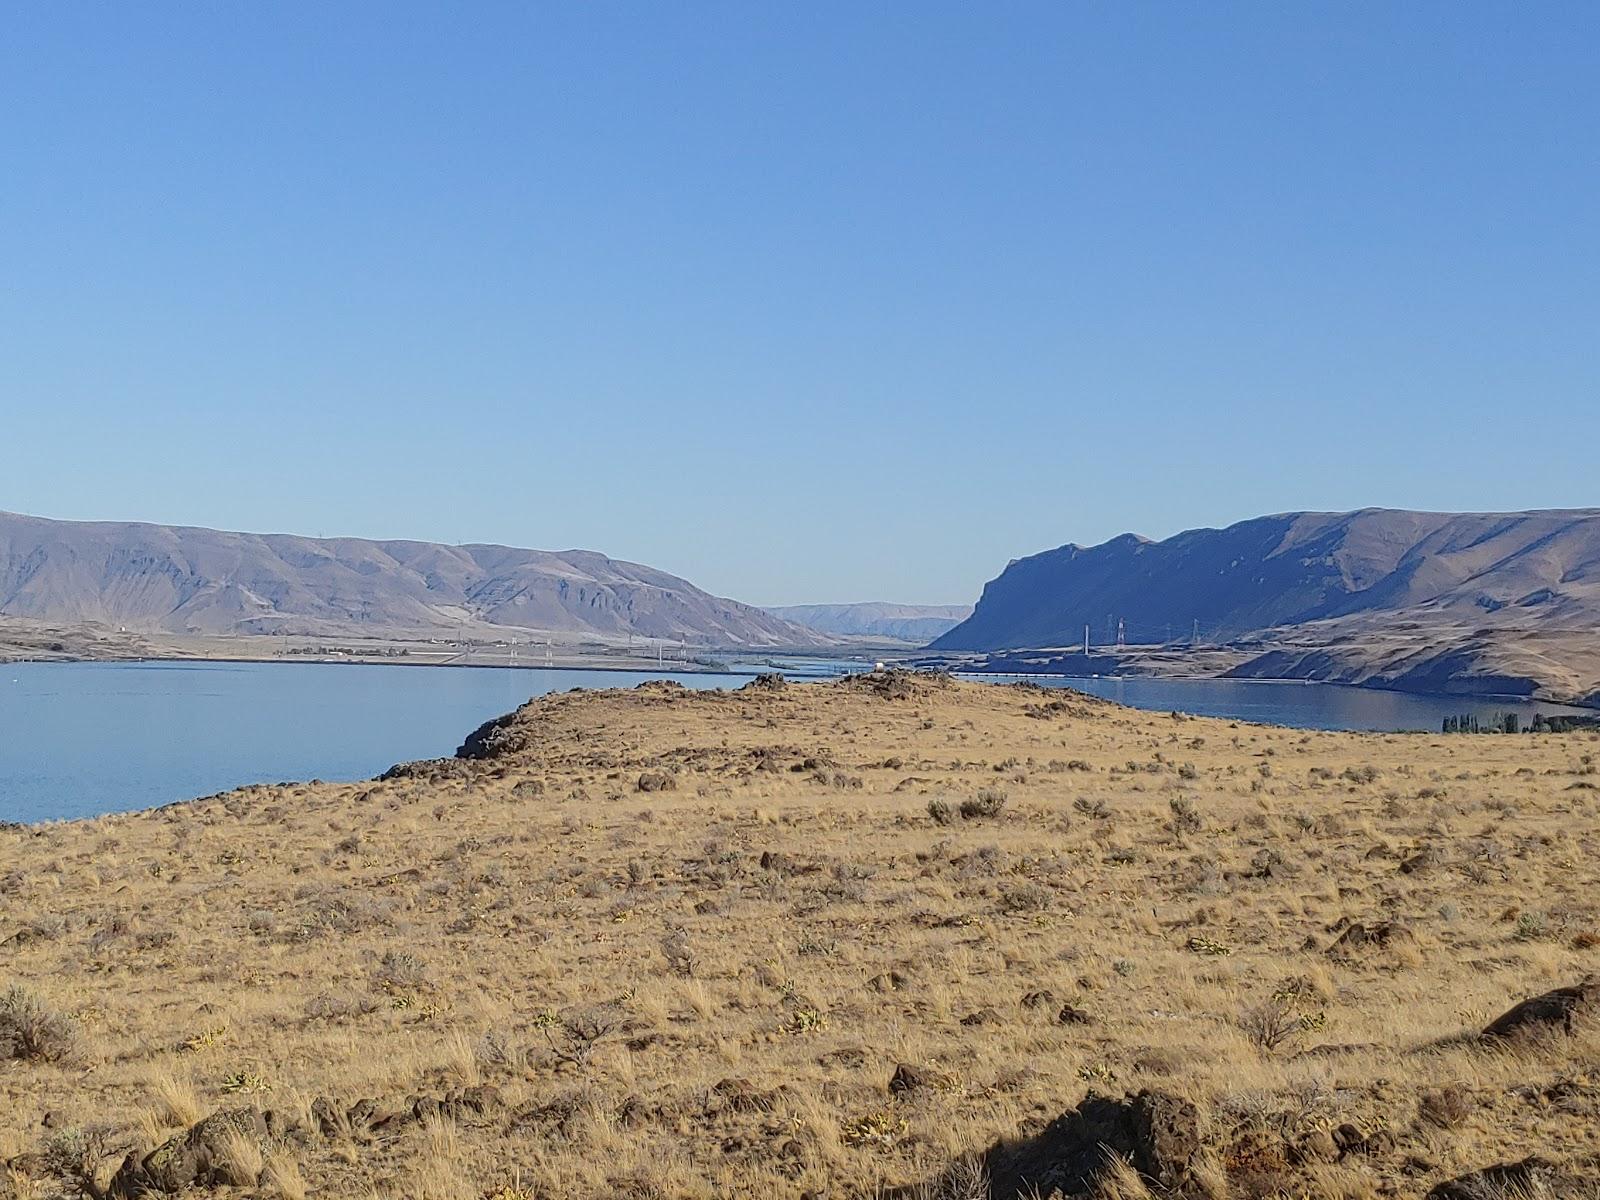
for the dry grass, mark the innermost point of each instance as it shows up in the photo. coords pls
(703, 990)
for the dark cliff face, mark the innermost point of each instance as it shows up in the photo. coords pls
(1289, 569)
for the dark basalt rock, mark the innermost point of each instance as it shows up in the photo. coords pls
(1532, 1177)
(1159, 1133)
(1556, 1011)
(197, 1157)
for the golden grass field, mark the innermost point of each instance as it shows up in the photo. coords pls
(676, 944)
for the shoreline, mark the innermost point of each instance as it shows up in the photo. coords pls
(643, 667)
(1506, 697)
(1587, 718)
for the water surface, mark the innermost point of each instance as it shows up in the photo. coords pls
(1302, 705)
(78, 739)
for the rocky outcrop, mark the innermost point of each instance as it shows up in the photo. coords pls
(1533, 1178)
(1557, 1011)
(1462, 603)
(1291, 569)
(205, 1155)
(1160, 1134)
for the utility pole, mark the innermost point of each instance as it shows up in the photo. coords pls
(1086, 639)
(1195, 641)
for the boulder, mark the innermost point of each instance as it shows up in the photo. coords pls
(1557, 1011)
(1423, 860)
(197, 1157)
(1532, 1177)
(1380, 935)
(1071, 1014)
(1317, 1146)
(909, 1077)
(1160, 1133)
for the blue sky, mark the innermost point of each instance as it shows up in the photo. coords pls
(813, 302)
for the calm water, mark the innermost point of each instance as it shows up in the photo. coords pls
(1304, 705)
(78, 739)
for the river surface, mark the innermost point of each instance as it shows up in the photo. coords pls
(1302, 705)
(79, 739)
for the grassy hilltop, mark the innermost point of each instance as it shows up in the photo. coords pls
(892, 935)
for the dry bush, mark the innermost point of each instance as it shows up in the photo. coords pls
(989, 802)
(32, 1031)
(1448, 1107)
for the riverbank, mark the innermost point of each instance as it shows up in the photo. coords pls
(30, 641)
(835, 938)
(1560, 666)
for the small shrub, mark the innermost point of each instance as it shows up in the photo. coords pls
(76, 1154)
(940, 811)
(30, 1031)
(1449, 1107)
(989, 802)
(400, 972)
(1185, 817)
(1532, 926)
(1025, 897)
(657, 781)
(1270, 1025)
(679, 954)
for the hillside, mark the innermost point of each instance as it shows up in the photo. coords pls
(172, 579)
(892, 936)
(1435, 601)
(914, 623)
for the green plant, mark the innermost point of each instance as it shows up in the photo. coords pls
(1531, 926)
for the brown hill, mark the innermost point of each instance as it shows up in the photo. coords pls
(1431, 601)
(184, 580)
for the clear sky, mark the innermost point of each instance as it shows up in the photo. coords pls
(805, 302)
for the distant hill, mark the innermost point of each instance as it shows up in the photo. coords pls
(201, 581)
(915, 623)
(1436, 601)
